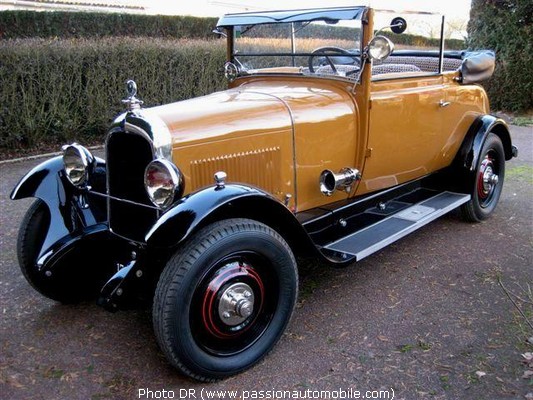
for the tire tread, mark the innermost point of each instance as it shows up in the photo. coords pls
(175, 272)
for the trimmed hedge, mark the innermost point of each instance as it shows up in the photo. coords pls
(423, 41)
(64, 24)
(506, 26)
(59, 91)
(346, 33)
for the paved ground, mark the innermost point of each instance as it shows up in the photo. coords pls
(426, 317)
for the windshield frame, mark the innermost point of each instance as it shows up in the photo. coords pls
(229, 22)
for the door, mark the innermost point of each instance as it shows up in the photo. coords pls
(405, 131)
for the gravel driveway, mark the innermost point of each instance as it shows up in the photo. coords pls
(427, 317)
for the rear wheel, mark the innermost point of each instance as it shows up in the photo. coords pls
(225, 298)
(488, 183)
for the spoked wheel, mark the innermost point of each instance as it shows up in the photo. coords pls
(225, 299)
(490, 174)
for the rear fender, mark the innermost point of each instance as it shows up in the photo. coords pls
(467, 157)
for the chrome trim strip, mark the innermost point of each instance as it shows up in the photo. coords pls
(108, 196)
(428, 75)
(441, 49)
(155, 131)
(131, 128)
(160, 134)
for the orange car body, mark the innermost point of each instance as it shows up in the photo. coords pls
(279, 131)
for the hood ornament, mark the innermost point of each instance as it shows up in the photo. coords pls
(132, 102)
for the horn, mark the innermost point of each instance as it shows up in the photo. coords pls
(330, 181)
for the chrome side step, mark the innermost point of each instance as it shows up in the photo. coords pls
(379, 235)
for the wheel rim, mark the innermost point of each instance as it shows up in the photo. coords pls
(233, 304)
(488, 179)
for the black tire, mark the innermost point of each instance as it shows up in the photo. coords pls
(240, 258)
(31, 236)
(486, 189)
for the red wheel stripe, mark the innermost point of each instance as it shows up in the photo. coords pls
(212, 290)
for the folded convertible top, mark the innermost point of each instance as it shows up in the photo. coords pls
(477, 66)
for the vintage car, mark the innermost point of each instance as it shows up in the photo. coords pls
(327, 144)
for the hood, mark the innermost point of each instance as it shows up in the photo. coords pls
(223, 115)
(256, 107)
(276, 133)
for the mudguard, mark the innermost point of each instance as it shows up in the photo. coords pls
(230, 201)
(72, 218)
(467, 157)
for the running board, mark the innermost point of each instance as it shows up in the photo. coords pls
(362, 243)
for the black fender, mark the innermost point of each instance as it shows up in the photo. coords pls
(230, 201)
(469, 153)
(467, 157)
(73, 218)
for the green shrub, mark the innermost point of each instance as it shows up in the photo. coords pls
(423, 41)
(61, 90)
(506, 26)
(64, 24)
(349, 34)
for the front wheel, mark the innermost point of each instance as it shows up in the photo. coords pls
(225, 298)
(488, 182)
(71, 282)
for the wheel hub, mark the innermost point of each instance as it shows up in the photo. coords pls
(232, 300)
(488, 179)
(236, 304)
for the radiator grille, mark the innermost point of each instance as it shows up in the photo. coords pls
(260, 168)
(127, 156)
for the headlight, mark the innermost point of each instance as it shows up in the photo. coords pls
(77, 160)
(163, 182)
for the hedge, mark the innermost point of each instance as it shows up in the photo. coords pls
(63, 24)
(57, 91)
(506, 26)
(346, 33)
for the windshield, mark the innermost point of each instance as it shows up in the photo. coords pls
(325, 47)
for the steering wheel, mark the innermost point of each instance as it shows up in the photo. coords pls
(335, 51)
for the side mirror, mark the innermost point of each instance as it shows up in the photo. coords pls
(231, 71)
(380, 48)
(219, 32)
(398, 25)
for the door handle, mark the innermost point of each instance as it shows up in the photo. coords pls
(443, 103)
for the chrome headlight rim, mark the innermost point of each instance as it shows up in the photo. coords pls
(380, 47)
(76, 164)
(164, 197)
